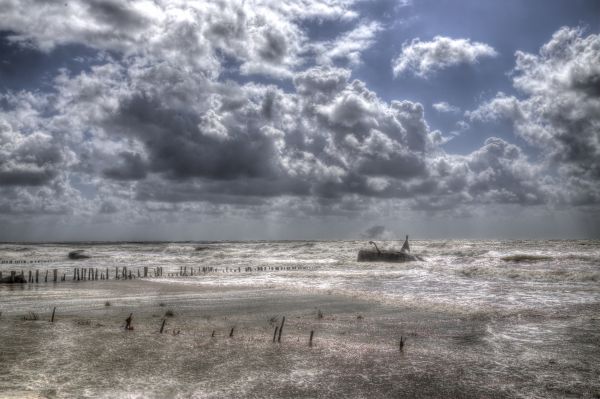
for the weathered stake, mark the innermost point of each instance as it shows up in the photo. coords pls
(128, 325)
(52, 318)
(310, 339)
(281, 329)
(231, 332)
(402, 341)
(275, 333)
(163, 325)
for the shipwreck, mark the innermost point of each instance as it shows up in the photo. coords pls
(384, 255)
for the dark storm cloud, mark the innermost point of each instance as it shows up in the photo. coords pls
(179, 147)
(116, 13)
(131, 167)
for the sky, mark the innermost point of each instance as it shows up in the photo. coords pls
(299, 119)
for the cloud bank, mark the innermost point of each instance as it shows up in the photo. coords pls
(163, 123)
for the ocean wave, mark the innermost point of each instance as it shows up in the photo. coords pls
(531, 275)
(526, 258)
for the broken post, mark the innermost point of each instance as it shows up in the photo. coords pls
(128, 320)
(281, 329)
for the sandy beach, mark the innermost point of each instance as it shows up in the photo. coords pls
(87, 352)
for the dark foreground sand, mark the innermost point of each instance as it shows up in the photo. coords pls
(87, 353)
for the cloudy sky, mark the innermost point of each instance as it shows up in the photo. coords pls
(311, 119)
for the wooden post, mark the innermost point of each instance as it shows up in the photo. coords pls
(213, 334)
(310, 339)
(116, 272)
(281, 329)
(12, 276)
(163, 325)
(402, 341)
(55, 275)
(37, 275)
(46, 278)
(145, 271)
(53, 311)
(231, 332)
(29, 277)
(128, 320)
(275, 333)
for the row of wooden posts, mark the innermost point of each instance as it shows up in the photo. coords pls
(276, 334)
(183, 270)
(21, 261)
(82, 274)
(123, 273)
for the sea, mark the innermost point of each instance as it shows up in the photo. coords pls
(462, 275)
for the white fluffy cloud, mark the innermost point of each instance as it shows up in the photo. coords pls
(444, 107)
(424, 58)
(348, 46)
(559, 110)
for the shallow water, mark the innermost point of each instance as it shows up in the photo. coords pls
(484, 319)
(465, 275)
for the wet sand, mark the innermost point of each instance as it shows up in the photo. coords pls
(87, 353)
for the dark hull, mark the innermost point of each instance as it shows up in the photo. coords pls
(367, 255)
